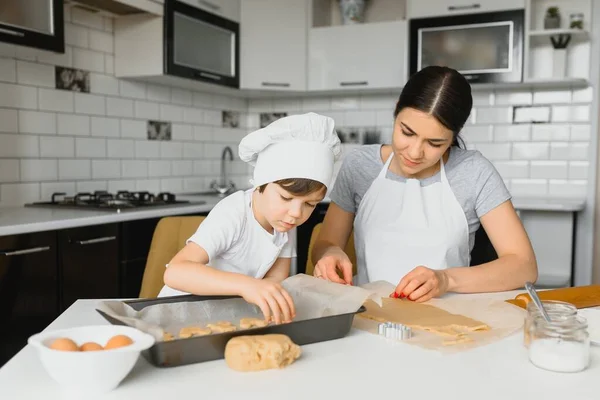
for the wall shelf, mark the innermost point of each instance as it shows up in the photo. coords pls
(571, 83)
(553, 32)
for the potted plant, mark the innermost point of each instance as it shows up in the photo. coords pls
(552, 18)
(352, 11)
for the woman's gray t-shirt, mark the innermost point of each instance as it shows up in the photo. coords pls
(474, 180)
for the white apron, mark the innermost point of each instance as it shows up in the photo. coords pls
(401, 225)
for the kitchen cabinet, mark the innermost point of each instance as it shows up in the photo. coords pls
(362, 56)
(420, 8)
(89, 263)
(274, 35)
(229, 9)
(29, 297)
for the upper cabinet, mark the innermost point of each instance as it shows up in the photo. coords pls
(421, 8)
(274, 44)
(229, 9)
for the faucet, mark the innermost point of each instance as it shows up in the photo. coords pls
(224, 186)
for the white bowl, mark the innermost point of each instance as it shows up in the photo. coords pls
(90, 371)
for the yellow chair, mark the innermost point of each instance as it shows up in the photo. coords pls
(169, 237)
(349, 250)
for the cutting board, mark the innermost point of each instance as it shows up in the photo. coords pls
(580, 296)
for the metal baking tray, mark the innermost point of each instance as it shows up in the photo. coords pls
(212, 347)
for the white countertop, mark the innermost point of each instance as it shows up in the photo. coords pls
(359, 366)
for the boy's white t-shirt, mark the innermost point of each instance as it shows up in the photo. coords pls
(236, 242)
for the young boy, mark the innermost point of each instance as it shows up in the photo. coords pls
(245, 244)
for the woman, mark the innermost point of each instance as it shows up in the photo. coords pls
(416, 204)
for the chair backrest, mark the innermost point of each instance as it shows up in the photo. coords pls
(169, 237)
(349, 250)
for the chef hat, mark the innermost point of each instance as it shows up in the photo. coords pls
(298, 146)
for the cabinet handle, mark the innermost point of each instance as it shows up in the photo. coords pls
(96, 240)
(207, 75)
(465, 7)
(208, 4)
(25, 251)
(11, 32)
(358, 83)
(276, 84)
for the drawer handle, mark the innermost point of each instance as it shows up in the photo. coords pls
(276, 84)
(11, 32)
(96, 240)
(209, 76)
(210, 5)
(358, 83)
(25, 251)
(466, 7)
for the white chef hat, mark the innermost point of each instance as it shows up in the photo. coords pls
(298, 146)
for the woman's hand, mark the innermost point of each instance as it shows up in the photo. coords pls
(334, 260)
(273, 300)
(422, 284)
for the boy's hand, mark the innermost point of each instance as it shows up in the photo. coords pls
(273, 300)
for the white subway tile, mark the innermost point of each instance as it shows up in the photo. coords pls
(531, 114)
(38, 170)
(144, 109)
(205, 167)
(202, 133)
(550, 132)
(88, 60)
(529, 187)
(18, 145)
(106, 169)
(568, 189)
(213, 118)
(477, 134)
(345, 103)
(513, 98)
(134, 169)
(384, 118)
(530, 151)
(583, 95)
(174, 113)
(241, 104)
(56, 100)
(581, 132)
(74, 169)
(193, 115)
(105, 127)
(8, 70)
(259, 105)
(62, 59)
(108, 24)
(559, 151)
(17, 194)
(251, 121)
(160, 168)
(512, 169)
(377, 102)
(90, 104)
(552, 96)
(494, 115)
(121, 184)
(360, 118)
(91, 186)
(173, 185)
(149, 185)
(119, 107)
(9, 120)
(109, 64)
(181, 96)
(228, 135)
(8, 50)
(87, 18)
(338, 117)
(495, 151)
(101, 41)
(579, 151)
(136, 90)
(182, 167)
(194, 184)
(90, 148)
(147, 149)
(29, 73)
(9, 171)
(182, 132)
(131, 128)
(579, 169)
(104, 84)
(26, 53)
(483, 99)
(512, 133)
(224, 102)
(52, 146)
(549, 170)
(171, 150)
(323, 103)
(37, 122)
(158, 93)
(17, 96)
(48, 188)
(76, 36)
(193, 150)
(117, 148)
(78, 125)
(580, 113)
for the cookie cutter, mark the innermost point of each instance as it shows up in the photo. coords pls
(395, 331)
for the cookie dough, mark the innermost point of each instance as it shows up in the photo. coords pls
(167, 337)
(248, 323)
(261, 352)
(221, 326)
(189, 331)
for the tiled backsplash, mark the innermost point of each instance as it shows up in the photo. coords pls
(546, 158)
(60, 140)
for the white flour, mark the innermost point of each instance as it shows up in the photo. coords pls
(559, 355)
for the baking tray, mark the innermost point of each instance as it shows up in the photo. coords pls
(212, 347)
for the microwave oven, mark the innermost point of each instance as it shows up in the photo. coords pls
(484, 47)
(200, 45)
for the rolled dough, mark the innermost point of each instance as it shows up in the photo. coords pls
(260, 352)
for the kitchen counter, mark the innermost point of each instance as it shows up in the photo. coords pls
(358, 366)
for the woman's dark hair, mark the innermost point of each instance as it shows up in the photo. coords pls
(297, 186)
(442, 92)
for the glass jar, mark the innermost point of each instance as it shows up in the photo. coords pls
(555, 309)
(560, 346)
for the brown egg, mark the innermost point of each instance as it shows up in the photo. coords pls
(64, 344)
(118, 341)
(90, 346)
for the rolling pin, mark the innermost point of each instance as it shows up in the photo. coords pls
(580, 296)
